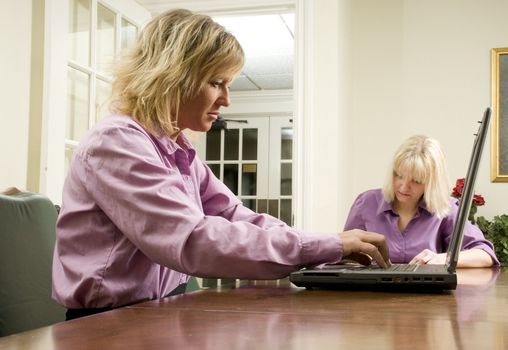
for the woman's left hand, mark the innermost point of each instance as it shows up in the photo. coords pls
(429, 257)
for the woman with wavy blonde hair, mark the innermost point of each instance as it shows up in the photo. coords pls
(174, 58)
(415, 211)
(141, 212)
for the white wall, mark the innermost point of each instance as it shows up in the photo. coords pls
(327, 111)
(421, 67)
(15, 41)
(260, 102)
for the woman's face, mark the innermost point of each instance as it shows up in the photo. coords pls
(407, 191)
(199, 112)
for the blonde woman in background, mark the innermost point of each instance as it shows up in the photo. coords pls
(415, 211)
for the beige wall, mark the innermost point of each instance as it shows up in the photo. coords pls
(329, 122)
(15, 41)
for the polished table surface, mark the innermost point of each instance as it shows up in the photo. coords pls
(278, 315)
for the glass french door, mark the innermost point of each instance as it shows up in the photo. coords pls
(97, 34)
(253, 157)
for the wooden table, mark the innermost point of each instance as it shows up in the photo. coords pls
(277, 315)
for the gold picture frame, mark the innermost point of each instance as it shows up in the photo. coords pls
(499, 139)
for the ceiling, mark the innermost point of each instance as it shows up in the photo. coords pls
(267, 40)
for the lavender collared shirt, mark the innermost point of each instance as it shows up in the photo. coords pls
(371, 212)
(140, 213)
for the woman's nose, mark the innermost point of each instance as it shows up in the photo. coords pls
(225, 98)
(405, 184)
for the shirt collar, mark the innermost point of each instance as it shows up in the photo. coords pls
(182, 143)
(165, 143)
(384, 206)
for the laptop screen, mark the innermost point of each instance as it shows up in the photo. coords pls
(467, 194)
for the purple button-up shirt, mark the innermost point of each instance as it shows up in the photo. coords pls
(140, 213)
(371, 212)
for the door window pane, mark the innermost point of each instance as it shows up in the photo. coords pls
(105, 38)
(250, 203)
(213, 144)
(79, 31)
(285, 211)
(285, 179)
(262, 206)
(129, 33)
(286, 146)
(215, 168)
(231, 144)
(249, 179)
(103, 93)
(77, 104)
(250, 144)
(273, 207)
(231, 177)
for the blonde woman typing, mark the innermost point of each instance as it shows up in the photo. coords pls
(415, 211)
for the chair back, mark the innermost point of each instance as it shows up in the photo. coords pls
(27, 239)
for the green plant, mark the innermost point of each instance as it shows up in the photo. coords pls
(496, 231)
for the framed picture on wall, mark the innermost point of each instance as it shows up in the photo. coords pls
(499, 153)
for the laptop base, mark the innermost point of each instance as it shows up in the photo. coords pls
(329, 279)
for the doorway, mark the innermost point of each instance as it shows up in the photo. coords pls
(253, 157)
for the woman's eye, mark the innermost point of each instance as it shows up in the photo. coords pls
(216, 83)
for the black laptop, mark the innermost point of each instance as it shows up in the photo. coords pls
(404, 276)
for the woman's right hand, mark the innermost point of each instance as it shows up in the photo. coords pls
(356, 243)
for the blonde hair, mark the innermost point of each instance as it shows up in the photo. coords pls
(175, 55)
(422, 158)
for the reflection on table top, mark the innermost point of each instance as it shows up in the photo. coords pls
(278, 315)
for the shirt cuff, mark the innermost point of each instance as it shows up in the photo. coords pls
(317, 249)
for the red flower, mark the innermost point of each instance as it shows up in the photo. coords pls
(457, 190)
(478, 199)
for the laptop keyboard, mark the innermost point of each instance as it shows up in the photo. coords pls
(402, 267)
(394, 267)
